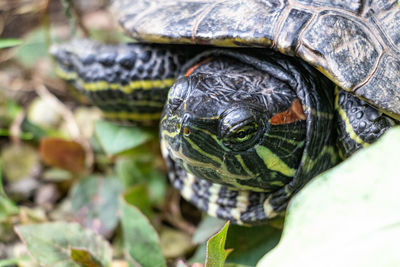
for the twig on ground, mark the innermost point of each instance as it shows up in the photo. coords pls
(172, 213)
(15, 129)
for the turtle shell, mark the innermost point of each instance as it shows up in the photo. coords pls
(355, 43)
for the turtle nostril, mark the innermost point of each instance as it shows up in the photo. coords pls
(186, 131)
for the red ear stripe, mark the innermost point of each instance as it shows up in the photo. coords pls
(190, 71)
(294, 113)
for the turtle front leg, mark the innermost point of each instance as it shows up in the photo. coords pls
(128, 82)
(358, 123)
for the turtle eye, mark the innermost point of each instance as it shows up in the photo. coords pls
(241, 137)
(239, 129)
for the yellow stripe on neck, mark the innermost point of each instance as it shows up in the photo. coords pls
(132, 116)
(104, 85)
(66, 75)
(129, 88)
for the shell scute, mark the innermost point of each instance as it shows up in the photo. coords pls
(383, 87)
(388, 17)
(239, 22)
(290, 31)
(354, 6)
(341, 48)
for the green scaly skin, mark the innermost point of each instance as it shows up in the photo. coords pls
(128, 82)
(223, 149)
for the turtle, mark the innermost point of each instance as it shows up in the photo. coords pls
(252, 98)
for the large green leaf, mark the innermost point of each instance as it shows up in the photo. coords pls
(141, 241)
(51, 244)
(117, 139)
(348, 216)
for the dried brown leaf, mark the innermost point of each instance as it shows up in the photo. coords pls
(61, 153)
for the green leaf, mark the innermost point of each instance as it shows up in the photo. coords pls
(35, 132)
(348, 216)
(9, 110)
(9, 42)
(249, 243)
(95, 202)
(207, 227)
(216, 252)
(7, 206)
(7, 209)
(84, 258)
(13, 261)
(33, 49)
(50, 243)
(2, 192)
(133, 171)
(116, 139)
(138, 196)
(142, 245)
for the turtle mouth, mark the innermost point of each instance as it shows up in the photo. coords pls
(198, 152)
(225, 176)
(204, 170)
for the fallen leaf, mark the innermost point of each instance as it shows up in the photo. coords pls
(61, 153)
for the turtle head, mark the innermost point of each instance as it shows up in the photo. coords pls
(230, 123)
